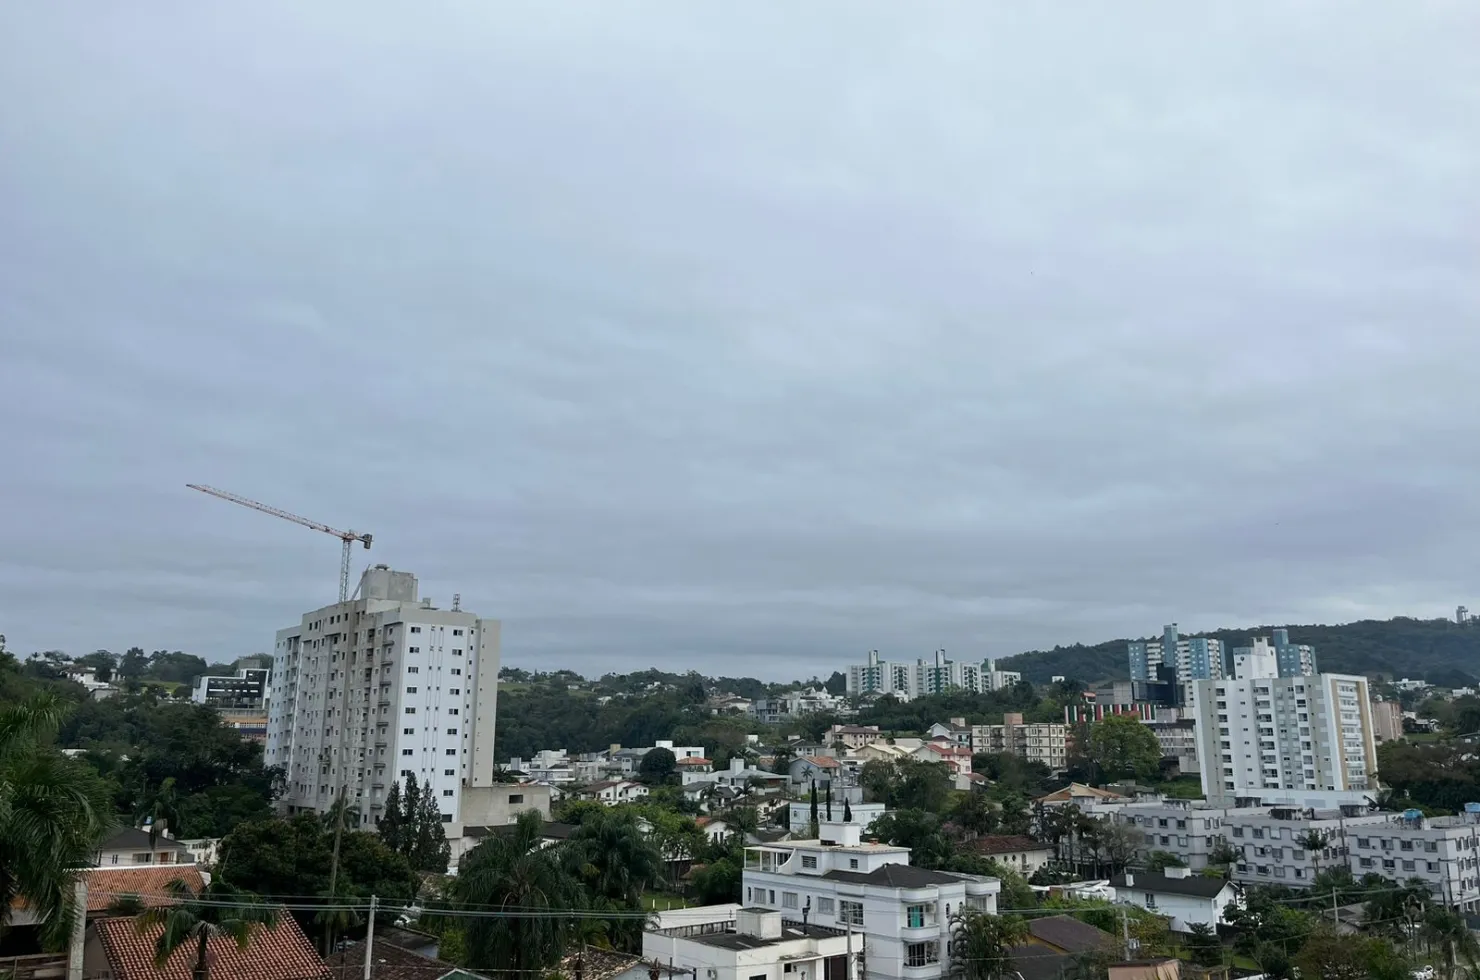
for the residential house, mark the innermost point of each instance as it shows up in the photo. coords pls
(88, 678)
(1055, 946)
(956, 730)
(741, 777)
(1021, 854)
(714, 828)
(885, 751)
(391, 962)
(956, 758)
(680, 752)
(132, 846)
(1082, 796)
(902, 914)
(799, 813)
(851, 736)
(614, 791)
(203, 850)
(695, 769)
(1177, 893)
(814, 770)
(117, 949)
(750, 944)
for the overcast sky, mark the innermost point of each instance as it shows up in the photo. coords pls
(744, 337)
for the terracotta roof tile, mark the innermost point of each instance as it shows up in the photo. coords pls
(150, 882)
(281, 953)
(387, 962)
(822, 761)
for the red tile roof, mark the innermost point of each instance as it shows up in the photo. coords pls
(694, 760)
(280, 953)
(822, 761)
(1007, 844)
(150, 882)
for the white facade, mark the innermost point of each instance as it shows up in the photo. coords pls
(906, 680)
(1308, 736)
(799, 813)
(1178, 894)
(723, 942)
(615, 791)
(1271, 848)
(1443, 851)
(1045, 742)
(369, 691)
(1187, 829)
(901, 914)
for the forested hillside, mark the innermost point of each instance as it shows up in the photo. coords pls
(1437, 650)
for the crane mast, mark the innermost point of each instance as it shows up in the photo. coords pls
(348, 538)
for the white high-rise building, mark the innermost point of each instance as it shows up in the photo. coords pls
(924, 677)
(1303, 740)
(369, 691)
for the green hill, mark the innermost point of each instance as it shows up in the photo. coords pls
(1437, 650)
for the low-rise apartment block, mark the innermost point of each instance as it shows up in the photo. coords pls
(247, 688)
(1272, 843)
(1187, 829)
(1442, 851)
(900, 915)
(1045, 742)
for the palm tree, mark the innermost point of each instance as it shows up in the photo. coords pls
(1314, 841)
(53, 812)
(618, 862)
(515, 874)
(1445, 929)
(161, 809)
(219, 910)
(979, 944)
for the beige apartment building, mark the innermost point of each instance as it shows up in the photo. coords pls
(1045, 742)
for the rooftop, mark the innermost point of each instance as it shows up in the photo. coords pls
(1078, 791)
(898, 876)
(1006, 844)
(1069, 934)
(790, 932)
(134, 839)
(1194, 885)
(149, 882)
(389, 962)
(280, 953)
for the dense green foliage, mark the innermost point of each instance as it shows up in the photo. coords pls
(294, 857)
(411, 825)
(53, 812)
(1438, 650)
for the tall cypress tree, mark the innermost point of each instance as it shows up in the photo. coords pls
(829, 801)
(428, 849)
(814, 802)
(847, 811)
(392, 826)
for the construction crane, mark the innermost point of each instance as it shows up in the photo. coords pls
(348, 537)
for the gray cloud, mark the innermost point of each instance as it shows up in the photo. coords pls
(744, 339)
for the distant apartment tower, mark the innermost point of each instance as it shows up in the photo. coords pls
(245, 689)
(1461, 615)
(1310, 738)
(1193, 658)
(924, 677)
(369, 691)
(1291, 659)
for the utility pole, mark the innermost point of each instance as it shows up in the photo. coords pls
(369, 939)
(1125, 932)
(1335, 913)
(848, 956)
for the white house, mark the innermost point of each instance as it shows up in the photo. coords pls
(900, 914)
(614, 791)
(749, 944)
(1179, 894)
(739, 776)
(799, 813)
(1022, 854)
(814, 770)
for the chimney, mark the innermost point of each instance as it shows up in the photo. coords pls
(736, 764)
(1130, 880)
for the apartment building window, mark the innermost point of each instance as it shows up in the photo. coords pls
(922, 954)
(408, 731)
(454, 691)
(416, 629)
(788, 900)
(1432, 866)
(410, 690)
(1430, 846)
(824, 906)
(406, 751)
(452, 751)
(413, 670)
(1238, 831)
(451, 731)
(457, 632)
(447, 792)
(411, 711)
(452, 711)
(850, 912)
(808, 861)
(413, 649)
(457, 672)
(915, 916)
(853, 863)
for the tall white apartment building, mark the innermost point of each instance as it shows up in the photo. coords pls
(369, 691)
(924, 677)
(1304, 740)
(900, 915)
